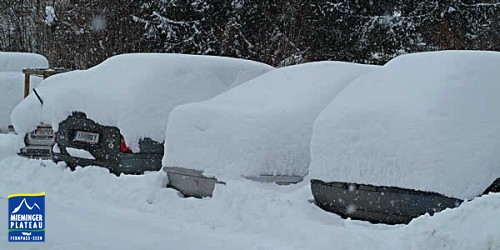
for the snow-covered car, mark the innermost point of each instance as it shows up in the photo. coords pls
(38, 143)
(12, 81)
(81, 141)
(259, 130)
(418, 136)
(115, 114)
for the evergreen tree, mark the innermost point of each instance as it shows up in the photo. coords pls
(82, 33)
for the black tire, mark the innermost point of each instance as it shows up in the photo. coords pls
(71, 166)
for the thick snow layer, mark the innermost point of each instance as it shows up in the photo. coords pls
(262, 127)
(17, 61)
(134, 92)
(7, 145)
(92, 209)
(425, 121)
(12, 80)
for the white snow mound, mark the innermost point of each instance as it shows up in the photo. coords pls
(7, 145)
(262, 127)
(134, 92)
(17, 61)
(79, 153)
(12, 80)
(425, 121)
(105, 209)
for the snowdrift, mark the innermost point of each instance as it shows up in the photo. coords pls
(134, 92)
(105, 209)
(262, 127)
(425, 121)
(7, 145)
(12, 80)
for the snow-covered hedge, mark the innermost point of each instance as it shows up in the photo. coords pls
(12, 80)
(425, 121)
(134, 92)
(261, 127)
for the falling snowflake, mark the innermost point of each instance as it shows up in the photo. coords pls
(98, 23)
(351, 208)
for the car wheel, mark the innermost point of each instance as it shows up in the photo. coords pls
(71, 166)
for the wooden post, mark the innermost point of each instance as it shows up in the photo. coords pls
(26, 84)
(45, 73)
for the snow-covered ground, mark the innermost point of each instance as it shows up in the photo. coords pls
(92, 209)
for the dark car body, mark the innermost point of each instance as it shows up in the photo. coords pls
(380, 204)
(106, 145)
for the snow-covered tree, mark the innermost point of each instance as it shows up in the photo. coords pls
(82, 33)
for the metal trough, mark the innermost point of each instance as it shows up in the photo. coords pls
(191, 182)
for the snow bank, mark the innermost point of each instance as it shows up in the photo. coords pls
(137, 212)
(12, 80)
(261, 127)
(134, 92)
(473, 225)
(425, 121)
(7, 145)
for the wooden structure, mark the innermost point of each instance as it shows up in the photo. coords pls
(44, 73)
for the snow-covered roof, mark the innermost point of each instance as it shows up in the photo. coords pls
(134, 92)
(12, 80)
(425, 121)
(260, 127)
(17, 61)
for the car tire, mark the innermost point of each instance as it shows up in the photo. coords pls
(71, 166)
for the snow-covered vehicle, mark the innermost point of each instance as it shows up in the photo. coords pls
(82, 142)
(259, 130)
(12, 79)
(39, 142)
(127, 98)
(418, 136)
